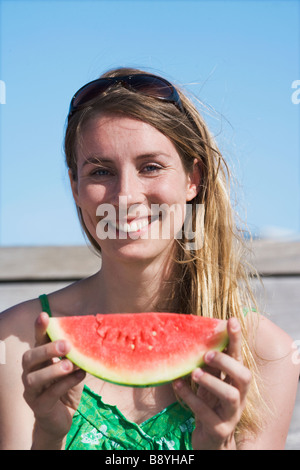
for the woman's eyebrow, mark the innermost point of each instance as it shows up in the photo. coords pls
(145, 156)
(98, 160)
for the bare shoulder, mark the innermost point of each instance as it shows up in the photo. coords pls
(269, 342)
(18, 321)
(17, 336)
(276, 355)
(17, 324)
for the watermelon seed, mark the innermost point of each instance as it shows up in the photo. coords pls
(132, 346)
(154, 333)
(150, 347)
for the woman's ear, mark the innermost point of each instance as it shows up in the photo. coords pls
(74, 187)
(194, 179)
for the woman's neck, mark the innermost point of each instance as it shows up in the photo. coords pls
(133, 287)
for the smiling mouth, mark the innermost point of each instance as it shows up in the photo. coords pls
(135, 225)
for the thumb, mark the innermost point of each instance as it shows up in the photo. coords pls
(235, 339)
(41, 325)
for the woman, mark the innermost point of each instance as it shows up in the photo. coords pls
(135, 141)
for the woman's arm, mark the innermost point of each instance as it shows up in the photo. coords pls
(39, 393)
(279, 366)
(17, 334)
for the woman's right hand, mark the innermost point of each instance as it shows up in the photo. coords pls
(52, 387)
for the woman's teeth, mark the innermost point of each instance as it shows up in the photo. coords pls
(133, 226)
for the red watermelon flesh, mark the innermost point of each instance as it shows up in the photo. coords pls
(139, 349)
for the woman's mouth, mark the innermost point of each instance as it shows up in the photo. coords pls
(135, 227)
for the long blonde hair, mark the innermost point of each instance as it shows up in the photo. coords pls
(212, 281)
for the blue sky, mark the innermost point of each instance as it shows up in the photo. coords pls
(238, 57)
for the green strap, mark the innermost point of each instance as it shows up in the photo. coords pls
(45, 304)
(247, 310)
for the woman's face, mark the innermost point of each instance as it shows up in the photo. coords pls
(131, 187)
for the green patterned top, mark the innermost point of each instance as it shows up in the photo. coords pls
(99, 426)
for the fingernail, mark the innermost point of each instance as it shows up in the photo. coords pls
(178, 384)
(41, 318)
(66, 365)
(197, 374)
(61, 347)
(234, 323)
(209, 356)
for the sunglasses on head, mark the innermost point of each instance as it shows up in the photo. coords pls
(146, 84)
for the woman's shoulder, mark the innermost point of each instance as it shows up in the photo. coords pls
(268, 339)
(274, 350)
(18, 321)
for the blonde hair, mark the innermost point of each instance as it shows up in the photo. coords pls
(214, 280)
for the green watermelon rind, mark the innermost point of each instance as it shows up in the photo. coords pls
(147, 379)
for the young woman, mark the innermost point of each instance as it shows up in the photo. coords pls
(134, 141)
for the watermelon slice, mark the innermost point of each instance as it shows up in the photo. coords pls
(139, 349)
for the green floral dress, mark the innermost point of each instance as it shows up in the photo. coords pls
(97, 426)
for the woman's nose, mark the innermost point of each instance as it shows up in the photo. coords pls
(128, 189)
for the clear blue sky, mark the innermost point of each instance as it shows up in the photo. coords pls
(239, 57)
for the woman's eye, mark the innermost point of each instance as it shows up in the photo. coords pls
(100, 172)
(151, 168)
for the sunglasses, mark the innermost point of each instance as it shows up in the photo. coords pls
(145, 84)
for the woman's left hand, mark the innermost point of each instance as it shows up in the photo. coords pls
(218, 404)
